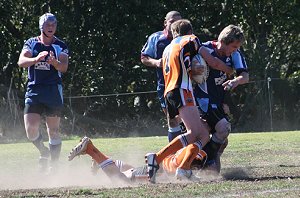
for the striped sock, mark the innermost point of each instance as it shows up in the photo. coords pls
(106, 163)
(119, 164)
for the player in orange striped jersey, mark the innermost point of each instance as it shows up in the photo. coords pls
(179, 95)
(116, 169)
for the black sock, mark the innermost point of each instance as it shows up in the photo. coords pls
(55, 152)
(211, 149)
(39, 144)
(172, 135)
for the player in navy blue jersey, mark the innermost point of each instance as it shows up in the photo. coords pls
(210, 94)
(46, 58)
(151, 55)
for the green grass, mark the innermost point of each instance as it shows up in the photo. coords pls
(254, 165)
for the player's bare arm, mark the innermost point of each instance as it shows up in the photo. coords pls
(151, 62)
(243, 78)
(26, 59)
(61, 64)
(214, 62)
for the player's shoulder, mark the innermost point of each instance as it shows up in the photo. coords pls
(59, 41)
(32, 39)
(156, 35)
(210, 44)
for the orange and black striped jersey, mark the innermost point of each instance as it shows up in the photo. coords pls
(177, 62)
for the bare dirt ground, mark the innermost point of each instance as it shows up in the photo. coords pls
(78, 181)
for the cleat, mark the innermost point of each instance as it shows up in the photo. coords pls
(79, 149)
(43, 160)
(152, 166)
(140, 173)
(43, 164)
(194, 178)
(182, 174)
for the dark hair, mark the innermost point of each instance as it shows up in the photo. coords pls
(172, 14)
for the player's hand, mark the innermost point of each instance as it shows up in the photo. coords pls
(230, 84)
(41, 56)
(159, 63)
(52, 60)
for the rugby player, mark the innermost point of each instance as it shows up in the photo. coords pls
(151, 56)
(118, 170)
(210, 94)
(179, 96)
(46, 58)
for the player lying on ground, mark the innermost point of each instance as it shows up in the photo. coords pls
(187, 158)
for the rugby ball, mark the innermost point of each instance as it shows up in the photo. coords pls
(199, 62)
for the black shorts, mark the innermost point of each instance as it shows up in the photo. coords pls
(46, 99)
(50, 111)
(178, 98)
(214, 114)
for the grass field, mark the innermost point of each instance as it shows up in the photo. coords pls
(253, 165)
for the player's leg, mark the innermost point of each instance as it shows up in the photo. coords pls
(182, 103)
(189, 114)
(219, 154)
(174, 128)
(216, 119)
(52, 124)
(112, 168)
(51, 97)
(32, 121)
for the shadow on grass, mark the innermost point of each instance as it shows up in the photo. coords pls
(246, 175)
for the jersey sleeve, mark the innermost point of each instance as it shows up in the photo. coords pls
(149, 48)
(65, 48)
(190, 50)
(239, 63)
(28, 45)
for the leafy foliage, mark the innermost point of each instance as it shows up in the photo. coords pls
(105, 39)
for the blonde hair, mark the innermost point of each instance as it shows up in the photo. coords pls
(230, 34)
(181, 27)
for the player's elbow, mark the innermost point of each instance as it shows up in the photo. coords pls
(21, 63)
(144, 60)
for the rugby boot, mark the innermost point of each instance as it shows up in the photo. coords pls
(152, 166)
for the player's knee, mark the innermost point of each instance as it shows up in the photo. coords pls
(223, 128)
(53, 133)
(32, 137)
(32, 133)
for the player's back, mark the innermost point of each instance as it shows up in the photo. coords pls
(176, 62)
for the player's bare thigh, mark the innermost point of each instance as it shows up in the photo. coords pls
(191, 118)
(32, 122)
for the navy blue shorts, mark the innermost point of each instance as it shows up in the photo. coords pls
(46, 99)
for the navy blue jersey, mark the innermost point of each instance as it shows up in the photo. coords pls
(154, 48)
(43, 73)
(212, 90)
